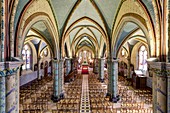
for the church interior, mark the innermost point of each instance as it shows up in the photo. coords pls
(85, 56)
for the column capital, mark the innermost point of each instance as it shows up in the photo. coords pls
(58, 60)
(160, 68)
(112, 60)
(101, 58)
(8, 68)
(68, 58)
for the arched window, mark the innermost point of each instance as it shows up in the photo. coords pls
(142, 58)
(26, 56)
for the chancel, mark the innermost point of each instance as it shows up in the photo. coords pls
(84, 56)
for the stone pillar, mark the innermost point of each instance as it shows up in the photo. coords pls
(74, 64)
(101, 69)
(38, 68)
(2, 95)
(128, 68)
(113, 79)
(3, 27)
(58, 73)
(68, 65)
(61, 78)
(96, 64)
(160, 86)
(166, 25)
(168, 91)
(109, 77)
(9, 86)
(10, 93)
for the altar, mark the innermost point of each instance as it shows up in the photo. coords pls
(85, 68)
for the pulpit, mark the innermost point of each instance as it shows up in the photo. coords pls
(139, 80)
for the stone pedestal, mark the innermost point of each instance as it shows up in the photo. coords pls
(113, 79)
(160, 71)
(9, 87)
(101, 69)
(58, 73)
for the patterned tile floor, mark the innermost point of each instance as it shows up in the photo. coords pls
(85, 102)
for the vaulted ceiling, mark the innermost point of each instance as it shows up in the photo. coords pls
(85, 22)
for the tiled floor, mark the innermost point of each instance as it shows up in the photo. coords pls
(85, 101)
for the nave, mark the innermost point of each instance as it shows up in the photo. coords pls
(84, 95)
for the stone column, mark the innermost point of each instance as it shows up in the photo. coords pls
(160, 86)
(68, 65)
(168, 91)
(74, 64)
(128, 67)
(9, 95)
(58, 73)
(101, 69)
(55, 73)
(166, 25)
(38, 68)
(113, 79)
(2, 93)
(109, 77)
(96, 64)
(61, 78)
(3, 27)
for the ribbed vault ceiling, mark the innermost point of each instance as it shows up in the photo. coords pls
(85, 22)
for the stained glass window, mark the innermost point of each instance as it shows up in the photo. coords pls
(26, 53)
(142, 58)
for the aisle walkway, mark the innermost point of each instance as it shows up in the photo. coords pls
(85, 102)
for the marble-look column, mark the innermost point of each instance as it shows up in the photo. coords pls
(2, 95)
(61, 78)
(9, 86)
(109, 77)
(68, 65)
(10, 93)
(55, 67)
(96, 66)
(168, 91)
(58, 73)
(101, 69)
(74, 64)
(166, 27)
(113, 79)
(160, 71)
(38, 68)
(128, 68)
(3, 31)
